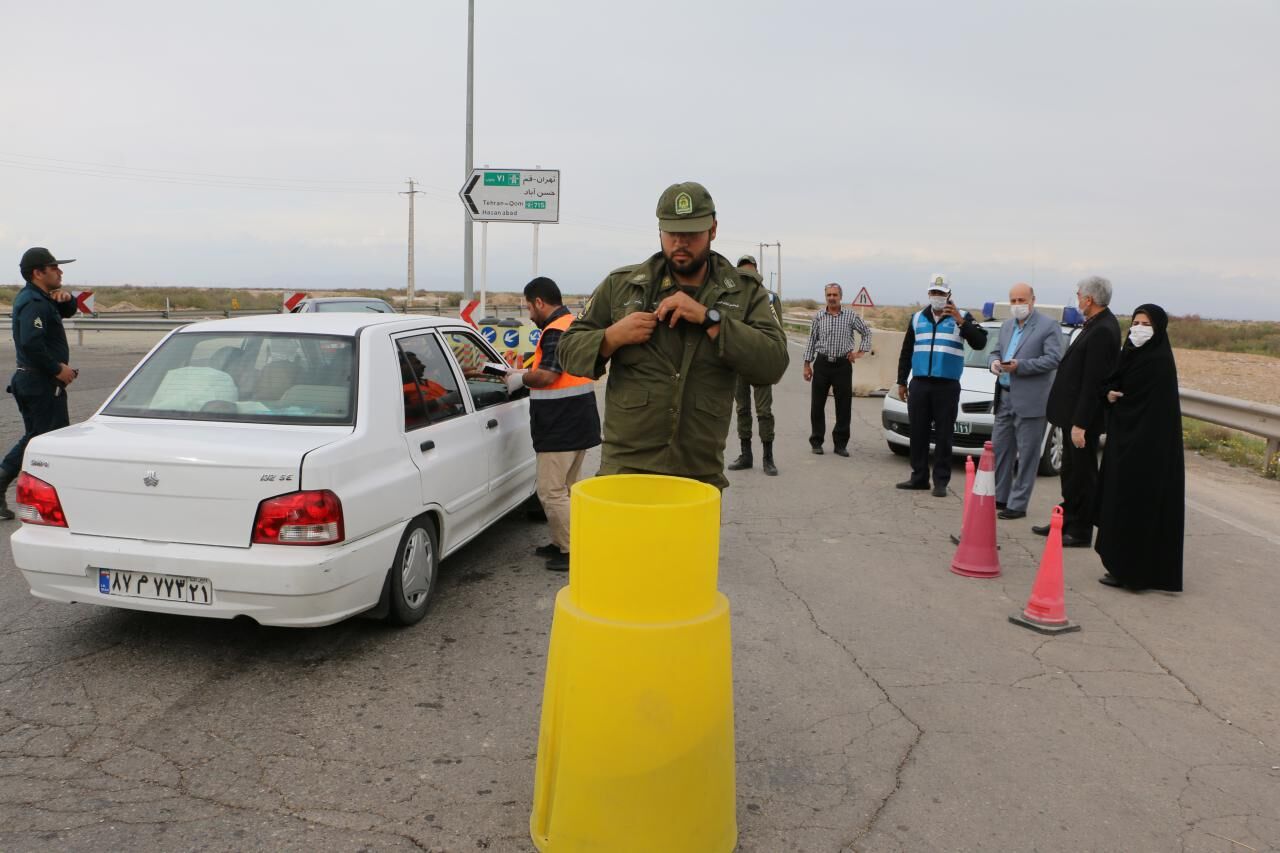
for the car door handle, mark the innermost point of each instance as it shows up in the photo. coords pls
(492, 424)
(427, 445)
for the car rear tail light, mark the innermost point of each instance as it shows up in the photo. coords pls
(38, 502)
(299, 518)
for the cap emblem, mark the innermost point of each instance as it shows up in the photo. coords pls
(937, 279)
(684, 204)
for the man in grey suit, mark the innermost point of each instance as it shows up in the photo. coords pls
(1024, 362)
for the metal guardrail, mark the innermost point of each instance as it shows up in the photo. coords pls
(1244, 415)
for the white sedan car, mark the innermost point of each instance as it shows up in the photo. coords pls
(975, 420)
(296, 470)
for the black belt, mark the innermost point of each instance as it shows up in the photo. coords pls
(835, 358)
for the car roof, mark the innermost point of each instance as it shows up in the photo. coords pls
(319, 324)
(345, 299)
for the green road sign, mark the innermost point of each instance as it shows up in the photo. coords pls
(535, 205)
(502, 179)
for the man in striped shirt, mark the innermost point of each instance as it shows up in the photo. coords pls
(828, 364)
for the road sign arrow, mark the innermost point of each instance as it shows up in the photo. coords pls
(465, 313)
(466, 195)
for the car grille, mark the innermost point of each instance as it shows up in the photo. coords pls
(980, 408)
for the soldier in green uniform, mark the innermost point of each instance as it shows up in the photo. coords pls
(675, 331)
(762, 393)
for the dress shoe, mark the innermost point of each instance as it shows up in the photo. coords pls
(1000, 504)
(1109, 580)
(940, 491)
(548, 550)
(816, 449)
(1069, 541)
(558, 563)
(1011, 513)
(841, 451)
(1042, 529)
(912, 485)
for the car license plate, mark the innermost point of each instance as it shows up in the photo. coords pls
(158, 587)
(963, 428)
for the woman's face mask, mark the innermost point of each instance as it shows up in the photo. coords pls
(937, 302)
(1140, 334)
(1020, 312)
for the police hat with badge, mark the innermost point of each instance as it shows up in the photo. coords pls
(686, 208)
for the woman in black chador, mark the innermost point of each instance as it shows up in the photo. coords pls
(1140, 488)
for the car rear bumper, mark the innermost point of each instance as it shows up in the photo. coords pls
(294, 586)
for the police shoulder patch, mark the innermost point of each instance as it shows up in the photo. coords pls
(38, 323)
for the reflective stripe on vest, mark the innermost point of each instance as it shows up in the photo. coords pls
(566, 385)
(939, 350)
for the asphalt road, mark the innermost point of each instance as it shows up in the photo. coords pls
(882, 703)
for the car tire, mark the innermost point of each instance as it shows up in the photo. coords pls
(413, 575)
(898, 449)
(1051, 458)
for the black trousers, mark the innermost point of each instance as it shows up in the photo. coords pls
(932, 405)
(41, 413)
(1079, 483)
(837, 376)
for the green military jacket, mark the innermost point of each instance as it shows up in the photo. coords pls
(668, 401)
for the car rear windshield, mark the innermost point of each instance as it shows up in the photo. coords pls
(244, 377)
(375, 305)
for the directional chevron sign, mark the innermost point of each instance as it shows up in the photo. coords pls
(512, 195)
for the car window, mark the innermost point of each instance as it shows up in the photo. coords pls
(377, 306)
(246, 378)
(486, 389)
(982, 357)
(430, 388)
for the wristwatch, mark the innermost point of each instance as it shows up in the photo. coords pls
(712, 319)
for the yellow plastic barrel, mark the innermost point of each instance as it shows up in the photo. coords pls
(635, 751)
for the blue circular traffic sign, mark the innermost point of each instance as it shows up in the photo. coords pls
(534, 335)
(511, 337)
(489, 332)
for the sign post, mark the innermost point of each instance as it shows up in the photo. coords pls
(862, 301)
(510, 195)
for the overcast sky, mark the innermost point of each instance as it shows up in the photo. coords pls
(264, 144)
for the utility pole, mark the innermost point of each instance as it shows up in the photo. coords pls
(408, 290)
(778, 246)
(468, 289)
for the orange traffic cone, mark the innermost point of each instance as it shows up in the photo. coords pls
(1046, 610)
(968, 492)
(976, 555)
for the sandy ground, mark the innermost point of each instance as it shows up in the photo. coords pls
(1247, 377)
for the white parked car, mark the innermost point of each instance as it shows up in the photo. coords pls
(295, 470)
(975, 420)
(340, 304)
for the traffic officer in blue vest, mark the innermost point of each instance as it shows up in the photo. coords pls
(40, 343)
(933, 352)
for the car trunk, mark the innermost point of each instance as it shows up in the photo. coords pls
(195, 483)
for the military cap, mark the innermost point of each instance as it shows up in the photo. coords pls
(37, 257)
(686, 208)
(746, 259)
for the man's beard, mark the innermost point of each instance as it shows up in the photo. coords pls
(690, 267)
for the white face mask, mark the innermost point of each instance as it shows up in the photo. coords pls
(1141, 334)
(937, 303)
(1020, 312)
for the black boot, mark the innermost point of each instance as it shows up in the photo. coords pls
(744, 461)
(769, 467)
(6, 477)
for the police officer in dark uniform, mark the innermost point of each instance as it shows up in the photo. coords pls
(40, 382)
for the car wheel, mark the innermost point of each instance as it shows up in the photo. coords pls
(1051, 459)
(413, 576)
(898, 449)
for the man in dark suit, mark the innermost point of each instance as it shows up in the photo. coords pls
(1075, 405)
